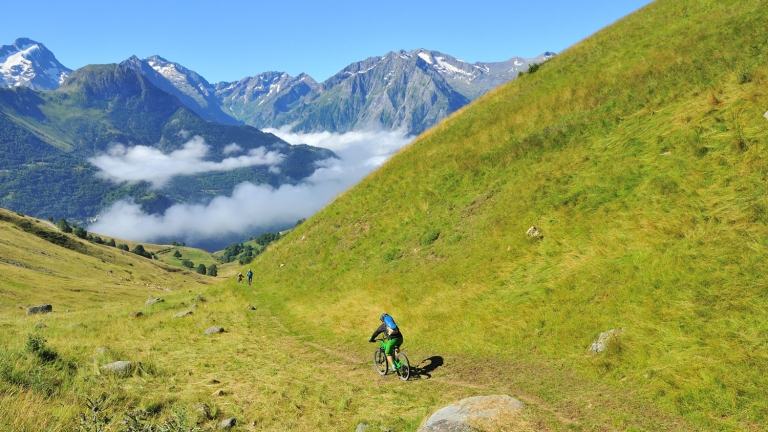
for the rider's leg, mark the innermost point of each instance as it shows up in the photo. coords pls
(389, 350)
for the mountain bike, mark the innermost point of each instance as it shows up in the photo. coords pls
(402, 365)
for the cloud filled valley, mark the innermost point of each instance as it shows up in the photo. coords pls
(250, 208)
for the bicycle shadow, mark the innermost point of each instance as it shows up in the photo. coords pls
(424, 369)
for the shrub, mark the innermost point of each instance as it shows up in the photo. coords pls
(110, 242)
(36, 345)
(123, 246)
(80, 232)
(188, 264)
(201, 269)
(392, 255)
(212, 270)
(177, 254)
(743, 76)
(430, 237)
(139, 250)
(533, 67)
(63, 226)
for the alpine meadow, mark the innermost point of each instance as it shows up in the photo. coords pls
(640, 155)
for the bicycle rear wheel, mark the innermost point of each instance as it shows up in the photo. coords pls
(405, 367)
(380, 361)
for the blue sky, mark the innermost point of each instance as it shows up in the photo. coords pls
(226, 40)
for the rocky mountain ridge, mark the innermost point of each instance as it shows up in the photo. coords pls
(403, 90)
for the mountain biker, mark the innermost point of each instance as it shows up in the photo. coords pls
(394, 337)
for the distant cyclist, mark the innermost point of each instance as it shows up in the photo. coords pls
(394, 337)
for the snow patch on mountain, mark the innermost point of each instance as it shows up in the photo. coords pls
(30, 64)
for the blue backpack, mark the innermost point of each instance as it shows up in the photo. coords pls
(390, 323)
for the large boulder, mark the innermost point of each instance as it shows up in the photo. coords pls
(41, 309)
(120, 368)
(153, 300)
(214, 330)
(478, 412)
(448, 426)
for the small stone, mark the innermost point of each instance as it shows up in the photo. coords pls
(41, 309)
(121, 368)
(40, 325)
(214, 330)
(534, 232)
(766, 115)
(136, 314)
(362, 427)
(182, 314)
(251, 307)
(214, 381)
(602, 341)
(228, 423)
(219, 393)
(152, 301)
(204, 409)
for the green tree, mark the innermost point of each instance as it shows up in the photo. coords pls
(110, 242)
(212, 270)
(177, 254)
(201, 269)
(267, 238)
(63, 226)
(123, 246)
(139, 250)
(80, 232)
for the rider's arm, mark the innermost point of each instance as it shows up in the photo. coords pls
(382, 328)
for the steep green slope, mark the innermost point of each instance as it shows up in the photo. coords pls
(640, 154)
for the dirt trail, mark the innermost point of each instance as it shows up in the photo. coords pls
(565, 406)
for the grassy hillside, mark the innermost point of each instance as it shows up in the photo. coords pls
(640, 153)
(265, 375)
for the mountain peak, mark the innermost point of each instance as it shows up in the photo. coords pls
(24, 43)
(30, 64)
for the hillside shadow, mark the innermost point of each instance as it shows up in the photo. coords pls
(424, 369)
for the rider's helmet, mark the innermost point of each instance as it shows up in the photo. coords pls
(381, 318)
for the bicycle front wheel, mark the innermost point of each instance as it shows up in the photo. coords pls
(404, 372)
(380, 361)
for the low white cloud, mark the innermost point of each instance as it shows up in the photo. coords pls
(143, 163)
(232, 148)
(251, 207)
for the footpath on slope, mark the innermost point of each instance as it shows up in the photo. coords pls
(440, 379)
